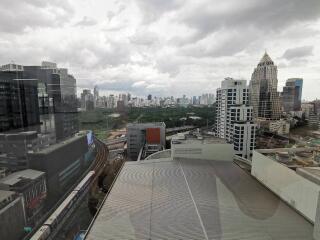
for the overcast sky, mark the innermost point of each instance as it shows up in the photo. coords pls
(164, 47)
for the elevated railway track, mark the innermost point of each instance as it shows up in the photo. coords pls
(60, 214)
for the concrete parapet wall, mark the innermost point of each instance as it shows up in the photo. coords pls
(214, 151)
(297, 191)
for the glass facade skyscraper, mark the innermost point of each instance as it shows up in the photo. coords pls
(264, 97)
(291, 95)
(18, 104)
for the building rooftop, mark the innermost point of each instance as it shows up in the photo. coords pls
(159, 124)
(16, 177)
(194, 199)
(195, 137)
(294, 157)
(58, 145)
(18, 135)
(266, 59)
(5, 194)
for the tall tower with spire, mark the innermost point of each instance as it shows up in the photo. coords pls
(264, 97)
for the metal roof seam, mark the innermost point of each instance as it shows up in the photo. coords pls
(194, 202)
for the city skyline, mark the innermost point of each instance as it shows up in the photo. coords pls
(162, 48)
(159, 119)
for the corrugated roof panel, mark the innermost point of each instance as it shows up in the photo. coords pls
(194, 199)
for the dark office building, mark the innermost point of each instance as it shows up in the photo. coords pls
(14, 149)
(291, 95)
(66, 125)
(43, 98)
(18, 101)
(121, 106)
(87, 100)
(62, 162)
(51, 80)
(61, 97)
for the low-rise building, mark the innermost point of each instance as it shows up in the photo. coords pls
(314, 121)
(12, 216)
(32, 185)
(139, 134)
(307, 108)
(280, 127)
(196, 145)
(3, 172)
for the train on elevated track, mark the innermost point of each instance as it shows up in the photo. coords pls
(59, 214)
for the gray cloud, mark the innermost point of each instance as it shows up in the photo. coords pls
(153, 9)
(143, 37)
(86, 22)
(17, 16)
(112, 14)
(162, 46)
(270, 15)
(298, 52)
(121, 83)
(169, 64)
(220, 44)
(87, 54)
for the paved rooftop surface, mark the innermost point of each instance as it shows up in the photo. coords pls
(194, 199)
(5, 194)
(16, 177)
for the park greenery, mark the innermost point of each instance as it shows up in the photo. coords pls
(103, 120)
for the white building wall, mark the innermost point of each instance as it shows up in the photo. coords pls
(280, 127)
(297, 191)
(244, 138)
(232, 108)
(216, 151)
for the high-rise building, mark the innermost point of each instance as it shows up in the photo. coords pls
(194, 100)
(57, 95)
(95, 95)
(87, 100)
(111, 101)
(206, 99)
(291, 95)
(121, 107)
(264, 97)
(149, 97)
(124, 98)
(61, 86)
(210, 98)
(19, 105)
(234, 116)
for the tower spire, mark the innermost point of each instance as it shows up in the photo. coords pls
(266, 58)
